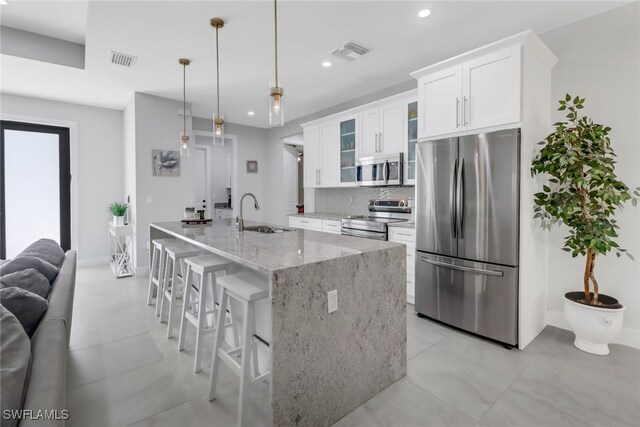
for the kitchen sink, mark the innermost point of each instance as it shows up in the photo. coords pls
(265, 229)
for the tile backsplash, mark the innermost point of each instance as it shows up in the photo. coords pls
(339, 200)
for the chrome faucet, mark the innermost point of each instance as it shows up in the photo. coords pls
(239, 219)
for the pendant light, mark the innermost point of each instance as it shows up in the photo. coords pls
(218, 119)
(276, 111)
(184, 137)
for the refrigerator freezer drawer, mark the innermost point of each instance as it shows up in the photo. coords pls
(478, 297)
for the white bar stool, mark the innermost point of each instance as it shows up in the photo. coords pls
(246, 288)
(173, 284)
(156, 272)
(194, 300)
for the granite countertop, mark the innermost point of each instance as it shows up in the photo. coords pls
(270, 252)
(320, 215)
(405, 224)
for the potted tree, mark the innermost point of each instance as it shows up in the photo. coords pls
(118, 210)
(583, 193)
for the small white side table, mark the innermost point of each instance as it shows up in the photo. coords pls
(120, 243)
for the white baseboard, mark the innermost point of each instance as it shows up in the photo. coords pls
(142, 271)
(628, 336)
(93, 262)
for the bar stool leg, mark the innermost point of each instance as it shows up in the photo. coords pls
(186, 299)
(202, 298)
(219, 336)
(168, 267)
(161, 278)
(154, 265)
(245, 374)
(173, 294)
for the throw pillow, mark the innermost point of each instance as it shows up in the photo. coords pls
(15, 355)
(26, 306)
(47, 250)
(29, 279)
(22, 262)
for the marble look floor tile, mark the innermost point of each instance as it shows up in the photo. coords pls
(518, 408)
(599, 394)
(416, 345)
(426, 329)
(109, 359)
(404, 404)
(222, 411)
(102, 310)
(510, 362)
(136, 395)
(87, 334)
(467, 385)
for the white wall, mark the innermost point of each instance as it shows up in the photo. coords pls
(158, 198)
(129, 162)
(600, 61)
(96, 164)
(251, 144)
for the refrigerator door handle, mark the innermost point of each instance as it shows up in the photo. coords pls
(460, 200)
(452, 197)
(463, 268)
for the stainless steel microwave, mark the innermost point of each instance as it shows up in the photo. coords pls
(378, 171)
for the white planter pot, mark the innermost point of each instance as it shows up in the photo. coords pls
(594, 327)
(118, 220)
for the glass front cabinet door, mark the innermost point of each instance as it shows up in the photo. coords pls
(348, 151)
(411, 134)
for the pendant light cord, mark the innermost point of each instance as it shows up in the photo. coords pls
(275, 15)
(217, 74)
(184, 97)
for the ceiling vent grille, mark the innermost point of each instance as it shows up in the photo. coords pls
(350, 51)
(123, 59)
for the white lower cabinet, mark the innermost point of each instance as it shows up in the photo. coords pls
(314, 224)
(331, 226)
(408, 237)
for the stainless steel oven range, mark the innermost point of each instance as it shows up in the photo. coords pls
(374, 225)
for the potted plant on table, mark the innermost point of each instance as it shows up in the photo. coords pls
(583, 193)
(118, 210)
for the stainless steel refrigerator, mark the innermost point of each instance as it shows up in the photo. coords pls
(467, 207)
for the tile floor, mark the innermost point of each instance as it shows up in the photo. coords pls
(123, 371)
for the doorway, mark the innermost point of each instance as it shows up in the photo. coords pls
(35, 186)
(214, 174)
(293, 174)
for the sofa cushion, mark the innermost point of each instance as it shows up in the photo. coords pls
(15, 355)
(22, 262)
(26, 306)
(47, 250)
(29, 279)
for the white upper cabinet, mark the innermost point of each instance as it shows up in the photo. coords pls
(329, 155)
(381, 129)
(440, 96)
(311, 156)
(480, 92)
(491, 89)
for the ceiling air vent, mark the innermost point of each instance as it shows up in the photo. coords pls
(350, 51)
(123, 59)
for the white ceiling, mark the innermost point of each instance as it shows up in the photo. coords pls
(160, 32)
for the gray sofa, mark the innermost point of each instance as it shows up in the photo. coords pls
(46, 389)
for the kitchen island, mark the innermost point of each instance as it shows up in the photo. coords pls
(322, 365)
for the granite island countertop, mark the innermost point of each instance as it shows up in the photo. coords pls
(268, 252)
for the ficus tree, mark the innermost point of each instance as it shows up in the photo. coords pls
(582, 190)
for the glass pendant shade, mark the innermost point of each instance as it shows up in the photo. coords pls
(218, 130)
(276, 105)
(184, 144)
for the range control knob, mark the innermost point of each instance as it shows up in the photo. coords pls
(376, 203)
(370, 202)
(401, 203)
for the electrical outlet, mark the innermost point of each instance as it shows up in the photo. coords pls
(149, 200)
(332, 299)
(351, 199)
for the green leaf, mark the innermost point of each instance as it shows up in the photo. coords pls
(567, 98)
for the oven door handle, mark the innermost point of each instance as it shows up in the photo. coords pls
(365, 234)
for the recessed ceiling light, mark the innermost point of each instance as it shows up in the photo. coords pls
(3, 2)
(326, 64)
(424, 13)
(251, 113)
